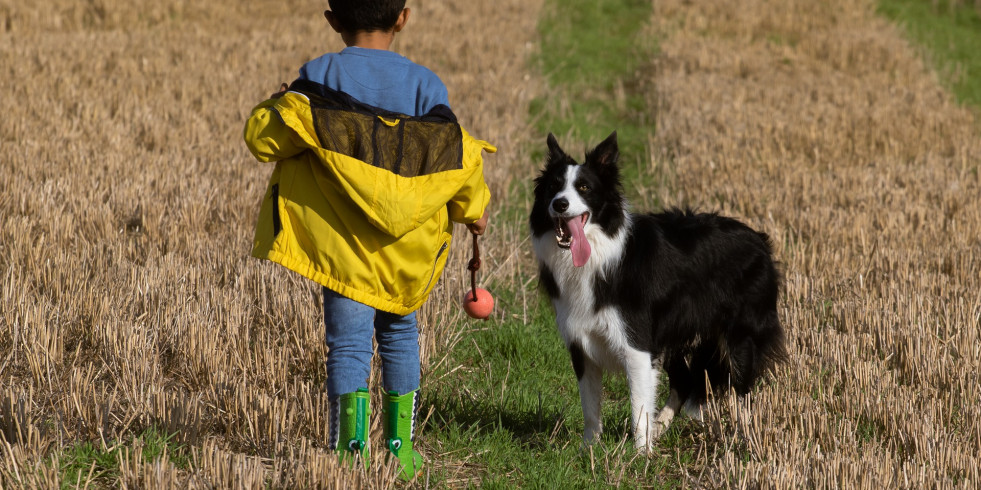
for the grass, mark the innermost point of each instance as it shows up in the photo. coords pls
(951, 33)
(88, 462)
(517, 404)
(596, 60)
(85, 462)
(812, 120)
(518, 408)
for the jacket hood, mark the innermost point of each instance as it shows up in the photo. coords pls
(398, 170)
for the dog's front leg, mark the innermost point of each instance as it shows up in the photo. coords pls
(590, 378)
(642, 379)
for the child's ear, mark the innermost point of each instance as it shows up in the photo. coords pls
(403, 18)
(332, 20)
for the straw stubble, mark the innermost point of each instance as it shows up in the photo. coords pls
(127, 294)
(816, 122)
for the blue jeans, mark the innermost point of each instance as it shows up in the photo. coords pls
(349, 328)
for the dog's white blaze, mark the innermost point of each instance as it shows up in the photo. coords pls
(576, 204)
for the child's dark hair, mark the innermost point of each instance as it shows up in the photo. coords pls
(367, 15)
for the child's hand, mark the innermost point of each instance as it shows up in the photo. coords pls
(282, 90)
(478, 227)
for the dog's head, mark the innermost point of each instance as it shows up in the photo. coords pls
(572, 199)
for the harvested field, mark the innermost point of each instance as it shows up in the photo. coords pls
(127, 294)
(817, 123)
(128, 299)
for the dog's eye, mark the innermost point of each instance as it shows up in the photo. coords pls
(583, 188)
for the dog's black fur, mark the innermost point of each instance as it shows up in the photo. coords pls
(697, 291)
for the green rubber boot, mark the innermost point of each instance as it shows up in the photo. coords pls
(350, 422)
(399, 413)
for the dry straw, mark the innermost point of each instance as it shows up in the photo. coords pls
(818, 123)
(127, 295)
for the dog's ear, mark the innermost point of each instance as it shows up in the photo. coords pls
(553, 146)
(605, 153)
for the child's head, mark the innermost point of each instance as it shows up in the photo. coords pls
(366, 15)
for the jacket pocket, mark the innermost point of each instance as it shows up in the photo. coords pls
(432, 275)
(274, 197)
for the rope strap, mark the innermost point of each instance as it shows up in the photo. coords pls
(472, 267)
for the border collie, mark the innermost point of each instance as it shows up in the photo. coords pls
(694, 294)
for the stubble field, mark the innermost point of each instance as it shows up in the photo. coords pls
(816, 122)
(128, 301)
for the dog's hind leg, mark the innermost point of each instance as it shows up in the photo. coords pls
(694, 410)
(744, 365)
(590, 378)
(642, 379)
(687, 388)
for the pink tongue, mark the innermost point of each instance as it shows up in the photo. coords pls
(580, 247)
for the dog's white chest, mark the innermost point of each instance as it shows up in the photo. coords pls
(601, 335)
(600, 332)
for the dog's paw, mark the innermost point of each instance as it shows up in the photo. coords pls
(659, 429)
(591, 435)
(645, 446)
(587, 444)
(694, 411)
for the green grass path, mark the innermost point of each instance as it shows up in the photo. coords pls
(511, 413)
(950, 32)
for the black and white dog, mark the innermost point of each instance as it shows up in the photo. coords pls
(695, 294)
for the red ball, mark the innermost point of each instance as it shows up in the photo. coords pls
(480, 309)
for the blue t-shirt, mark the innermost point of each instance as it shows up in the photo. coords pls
(379, 78)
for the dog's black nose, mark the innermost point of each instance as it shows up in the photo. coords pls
(560, 205)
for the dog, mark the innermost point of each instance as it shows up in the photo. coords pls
(692, 293)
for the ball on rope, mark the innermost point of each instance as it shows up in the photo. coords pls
(480, 308)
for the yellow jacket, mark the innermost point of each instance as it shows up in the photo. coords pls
(361, 200)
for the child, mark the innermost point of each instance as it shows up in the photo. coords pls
(372, 169)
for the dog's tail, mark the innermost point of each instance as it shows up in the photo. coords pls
(755, 355)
